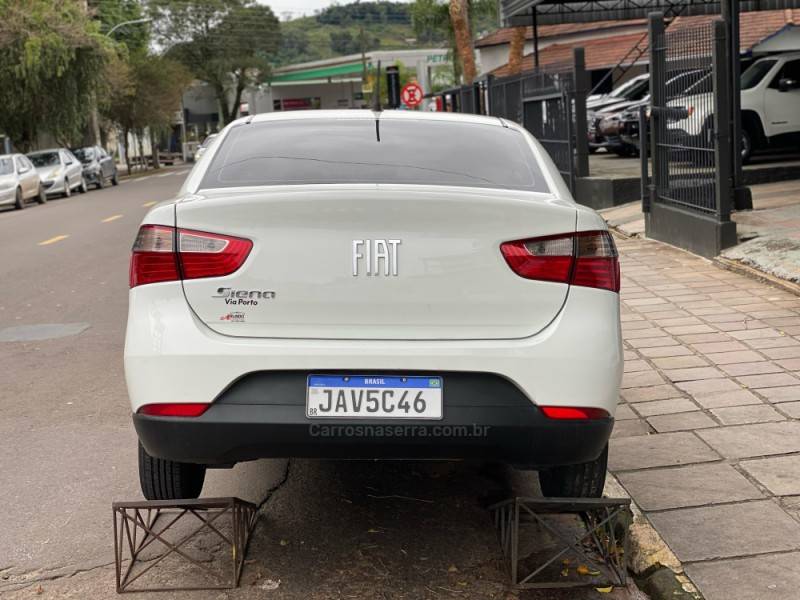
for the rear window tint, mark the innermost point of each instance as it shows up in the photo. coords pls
(368, 151)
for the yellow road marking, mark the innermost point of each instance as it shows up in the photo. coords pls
(53, 240)
(111, 218)
(147, 204)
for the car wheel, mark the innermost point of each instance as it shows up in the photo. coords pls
(83, 188)
(67, 190)
(163, 479)
(747, 147)
(585, 480)
(114, 179)
(41, 197)
(101, 182)
(19, 202)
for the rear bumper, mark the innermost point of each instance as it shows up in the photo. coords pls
(228, 434)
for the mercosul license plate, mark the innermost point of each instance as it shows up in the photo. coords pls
(374, 397)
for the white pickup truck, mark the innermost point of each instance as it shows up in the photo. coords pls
(770, 105)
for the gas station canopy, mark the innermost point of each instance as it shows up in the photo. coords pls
(515, 13)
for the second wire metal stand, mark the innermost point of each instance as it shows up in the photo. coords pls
(601, 544)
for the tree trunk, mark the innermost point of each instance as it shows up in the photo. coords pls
(516, 50)
(126, 132)
(154, 149)
(459, 15)
(142, 159)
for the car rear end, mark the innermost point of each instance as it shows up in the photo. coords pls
(328, 286)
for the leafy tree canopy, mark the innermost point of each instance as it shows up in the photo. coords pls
(227, 43)
(52, 56)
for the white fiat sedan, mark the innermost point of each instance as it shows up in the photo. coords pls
(362, 285)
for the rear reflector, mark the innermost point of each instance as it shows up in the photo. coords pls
(174, 410)
(571, 413)
(163, 253)
(585, 258)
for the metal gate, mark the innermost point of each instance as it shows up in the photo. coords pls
(690, 193)
(550, 102)
(548, 112)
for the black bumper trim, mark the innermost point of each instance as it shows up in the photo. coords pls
(262, 415)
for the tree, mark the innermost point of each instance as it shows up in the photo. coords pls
(516, 50)
(146, 94)
(455, 21)
(459, 15)
(226, 43)
(52, 57)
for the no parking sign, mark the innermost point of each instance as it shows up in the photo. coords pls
(411, 94)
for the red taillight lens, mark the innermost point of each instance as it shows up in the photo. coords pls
(586, 258)
(209, 254)
(192, 409)
(165, 254)
(153, 257)
(572, 413)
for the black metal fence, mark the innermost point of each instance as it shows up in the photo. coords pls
(690, 192)
(550, 102)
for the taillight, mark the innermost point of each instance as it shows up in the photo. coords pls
(154, 257)
(163, 253)
(585, 258)
(573, 413)
(189, 409)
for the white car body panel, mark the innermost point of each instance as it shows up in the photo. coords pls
(454, 285)
(171, 356)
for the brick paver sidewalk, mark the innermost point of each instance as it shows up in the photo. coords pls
(707, 439)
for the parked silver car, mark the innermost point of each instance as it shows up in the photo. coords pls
(61, 172)
(19, 181)
(98, 166)
(201, 149)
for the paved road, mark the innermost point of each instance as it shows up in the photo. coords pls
(67, 447)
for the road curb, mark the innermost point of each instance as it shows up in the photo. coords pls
(653, 566)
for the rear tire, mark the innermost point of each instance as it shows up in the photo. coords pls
(19, 202)
(747, 147)
(41, 197)
(67, 190)
(584, 480)
(162, 479)
(83, 188)
(114, 178)
(101, 182)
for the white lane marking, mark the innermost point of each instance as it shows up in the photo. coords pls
(149, 204)
(53, 240)
(165, 174)
(111, 218)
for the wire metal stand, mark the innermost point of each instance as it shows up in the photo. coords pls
(602, 545)
(138, 525)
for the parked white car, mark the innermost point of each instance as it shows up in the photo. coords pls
(19, 181)
(770, 105)
(60, 171)
(346, 284)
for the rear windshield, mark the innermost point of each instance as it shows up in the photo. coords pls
(369, 151)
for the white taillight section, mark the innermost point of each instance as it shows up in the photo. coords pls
(193, 242)
(153, 258)
(584, 258)
(157, 256)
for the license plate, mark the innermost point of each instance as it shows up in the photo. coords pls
(374, 397)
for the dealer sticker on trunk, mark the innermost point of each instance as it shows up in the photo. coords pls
(374, 397)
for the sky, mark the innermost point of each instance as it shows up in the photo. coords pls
(298, 8)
